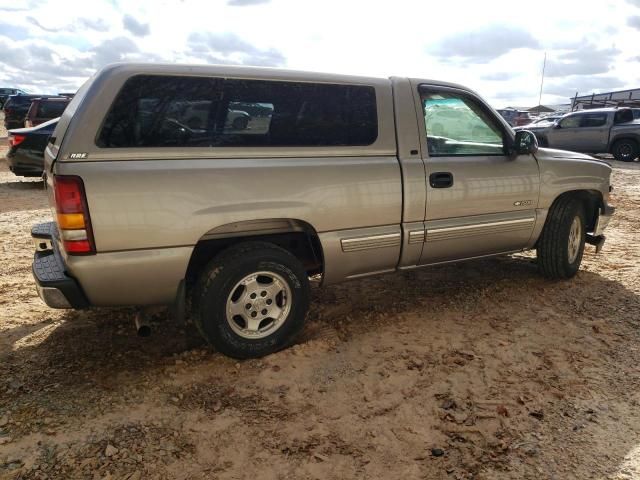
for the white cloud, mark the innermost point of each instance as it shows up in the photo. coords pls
(243, 3)
(137, 28)
(491, 46)
(483, 44)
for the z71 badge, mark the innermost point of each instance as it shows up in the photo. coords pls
(523, 203)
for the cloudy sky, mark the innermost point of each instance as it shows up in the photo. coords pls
(494, 46)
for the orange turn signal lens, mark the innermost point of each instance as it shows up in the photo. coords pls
(71, 221)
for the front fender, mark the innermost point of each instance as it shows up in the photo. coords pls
(562, 171)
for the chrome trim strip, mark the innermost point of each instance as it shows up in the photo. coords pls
(601, 223)
(417, 236)
(450, 233)
(369, 274)
(373, 241)
(476, 257)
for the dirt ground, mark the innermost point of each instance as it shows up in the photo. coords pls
(482, 370)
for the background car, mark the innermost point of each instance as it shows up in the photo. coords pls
(5, 92)
(515, 118)
(16, 108)
(542, 122)
(26, 153)
(44, 109)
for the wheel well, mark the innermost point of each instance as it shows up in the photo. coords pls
(305, 246)
(619, 139)
(592, 201)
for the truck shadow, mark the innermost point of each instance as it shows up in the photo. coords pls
(94, 355)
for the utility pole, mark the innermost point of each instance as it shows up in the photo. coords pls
(544, 65)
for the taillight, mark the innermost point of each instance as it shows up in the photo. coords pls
(16, 139)
(73, 215)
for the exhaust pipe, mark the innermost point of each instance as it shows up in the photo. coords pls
(142, 325)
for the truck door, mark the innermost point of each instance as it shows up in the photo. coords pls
(582, 132)
(480, 199)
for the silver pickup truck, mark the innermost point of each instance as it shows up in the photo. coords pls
(157, 202)
(603, 130)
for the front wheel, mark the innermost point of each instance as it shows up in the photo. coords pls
(561, 244)
(241, 123)
(625, 150)
(252, 300)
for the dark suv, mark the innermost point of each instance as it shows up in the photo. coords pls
(15, 110)
(515, 118)
(44, 109)
(5, 92)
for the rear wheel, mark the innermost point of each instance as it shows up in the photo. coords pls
(561, 245)
(252, 300)
(625, 150)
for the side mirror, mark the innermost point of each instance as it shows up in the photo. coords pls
(526, 142)
(557, 125)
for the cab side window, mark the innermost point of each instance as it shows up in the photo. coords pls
(456, 125)
(593, 120)
(570, 122)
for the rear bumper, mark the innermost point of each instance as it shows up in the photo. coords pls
(54, 286)
(24, 165)
(25, 171)
(10, 125)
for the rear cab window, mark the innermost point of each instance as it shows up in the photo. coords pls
(593, 120)
(624, 116)
(181, 111)
(51, 108)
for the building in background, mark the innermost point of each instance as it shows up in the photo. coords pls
(620, 98)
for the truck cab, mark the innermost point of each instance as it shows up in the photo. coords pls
(333, 176)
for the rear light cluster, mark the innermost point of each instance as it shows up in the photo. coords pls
(16, 139)
(73, 215)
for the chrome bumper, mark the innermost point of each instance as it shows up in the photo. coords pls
(603, 220)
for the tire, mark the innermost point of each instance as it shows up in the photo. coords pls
(558, 256)
(240, 123)
(227, 286)
(625, 150)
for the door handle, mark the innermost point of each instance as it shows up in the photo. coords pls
(441, 180)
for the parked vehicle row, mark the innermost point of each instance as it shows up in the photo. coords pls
(515, 117)
(340, 178)
(7, 92)
(31, 110)
(26, 148)
(30, 119)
